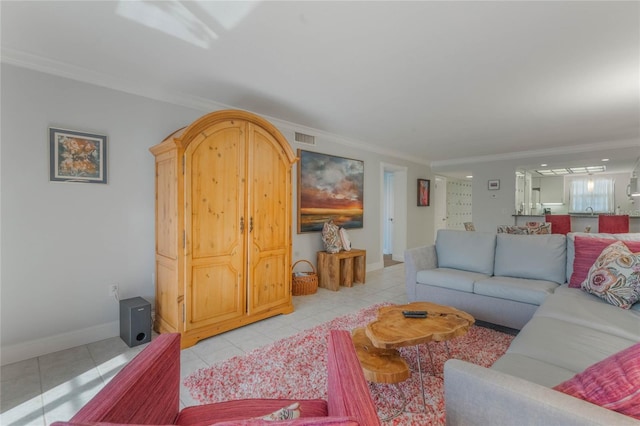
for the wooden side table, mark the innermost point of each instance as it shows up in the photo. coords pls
(342, 268)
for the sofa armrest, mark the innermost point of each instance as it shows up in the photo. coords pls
(476, 395)
(145, 391)
(417, 259)
(348, 391)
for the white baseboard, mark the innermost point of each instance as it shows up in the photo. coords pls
(374, 266)
(46, 345)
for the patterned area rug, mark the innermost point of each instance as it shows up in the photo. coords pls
(295, 367)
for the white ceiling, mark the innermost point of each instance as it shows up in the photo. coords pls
(439, 82)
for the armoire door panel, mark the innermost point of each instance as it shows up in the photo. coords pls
(215, 294)
(167, 206)
(167, 297)
(268, 200)
(268, 286)
(216, 182)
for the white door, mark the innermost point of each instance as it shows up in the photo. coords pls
(387, 245)
(393, 192)
(440, 205)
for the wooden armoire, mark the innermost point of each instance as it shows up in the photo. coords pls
(223, 225)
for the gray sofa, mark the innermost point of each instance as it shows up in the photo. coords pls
(563, 330)
(499, 278)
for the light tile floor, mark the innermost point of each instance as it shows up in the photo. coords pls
(54, 387)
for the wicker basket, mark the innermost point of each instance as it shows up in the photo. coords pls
(303, 283)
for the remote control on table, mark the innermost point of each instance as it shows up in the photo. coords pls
(414, 314)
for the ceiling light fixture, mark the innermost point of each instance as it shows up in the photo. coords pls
(572, 170)
(590, 183)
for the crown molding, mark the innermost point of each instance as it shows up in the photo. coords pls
(72, 72)
(600, 146)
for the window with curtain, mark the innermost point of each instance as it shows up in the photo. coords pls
(593, 192)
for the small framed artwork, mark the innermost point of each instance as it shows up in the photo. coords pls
(77, 156)
(494, 184)
(424, 191)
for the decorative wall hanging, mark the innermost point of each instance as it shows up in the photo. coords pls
(494, 184)
(329, 188)
(77, 156)
(424, 192)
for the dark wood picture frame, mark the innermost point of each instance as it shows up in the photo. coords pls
(77, 156)
(329, 188)
(424, 192)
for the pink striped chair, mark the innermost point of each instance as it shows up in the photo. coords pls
(147, 391)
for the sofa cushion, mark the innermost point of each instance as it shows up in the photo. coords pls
(576, 306)
(531, 369)
(612, 383)
(304, 421)
(242, 409)
(587, 250)
(615, 276)
(566, 345)
(518, 289)
(539, 257)
(453, 279)
(467, 251)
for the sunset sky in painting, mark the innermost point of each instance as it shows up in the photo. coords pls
(329, 182)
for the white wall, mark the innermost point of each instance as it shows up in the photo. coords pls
(63, 244)
(491, 208)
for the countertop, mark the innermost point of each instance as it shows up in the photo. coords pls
(580, 215)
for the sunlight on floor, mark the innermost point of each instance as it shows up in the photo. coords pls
(55, 386)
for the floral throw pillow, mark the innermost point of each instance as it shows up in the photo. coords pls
(331, 237)
(615, 276)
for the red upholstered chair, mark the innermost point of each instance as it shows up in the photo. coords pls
(560, 223)
(147, 391)
(614, 224)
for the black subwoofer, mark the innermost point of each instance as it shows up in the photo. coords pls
(135, 321)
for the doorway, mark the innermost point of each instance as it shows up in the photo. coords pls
(394, 213)
(440, 205)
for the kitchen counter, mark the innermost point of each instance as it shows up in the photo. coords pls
(579, 221)
(587, 215)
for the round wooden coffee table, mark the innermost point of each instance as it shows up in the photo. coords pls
(391, 330)
(381, 366)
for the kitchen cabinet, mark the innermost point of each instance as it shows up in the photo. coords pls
(552, 189)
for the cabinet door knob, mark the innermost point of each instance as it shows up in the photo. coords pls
(251, 224)
(242, 224)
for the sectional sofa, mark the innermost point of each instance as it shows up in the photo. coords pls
(523, 282)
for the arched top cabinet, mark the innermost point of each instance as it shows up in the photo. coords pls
(223, 225)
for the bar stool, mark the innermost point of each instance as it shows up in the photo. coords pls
(560, 223)
(613, 224)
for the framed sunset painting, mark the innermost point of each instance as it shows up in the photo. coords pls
(329, 187)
